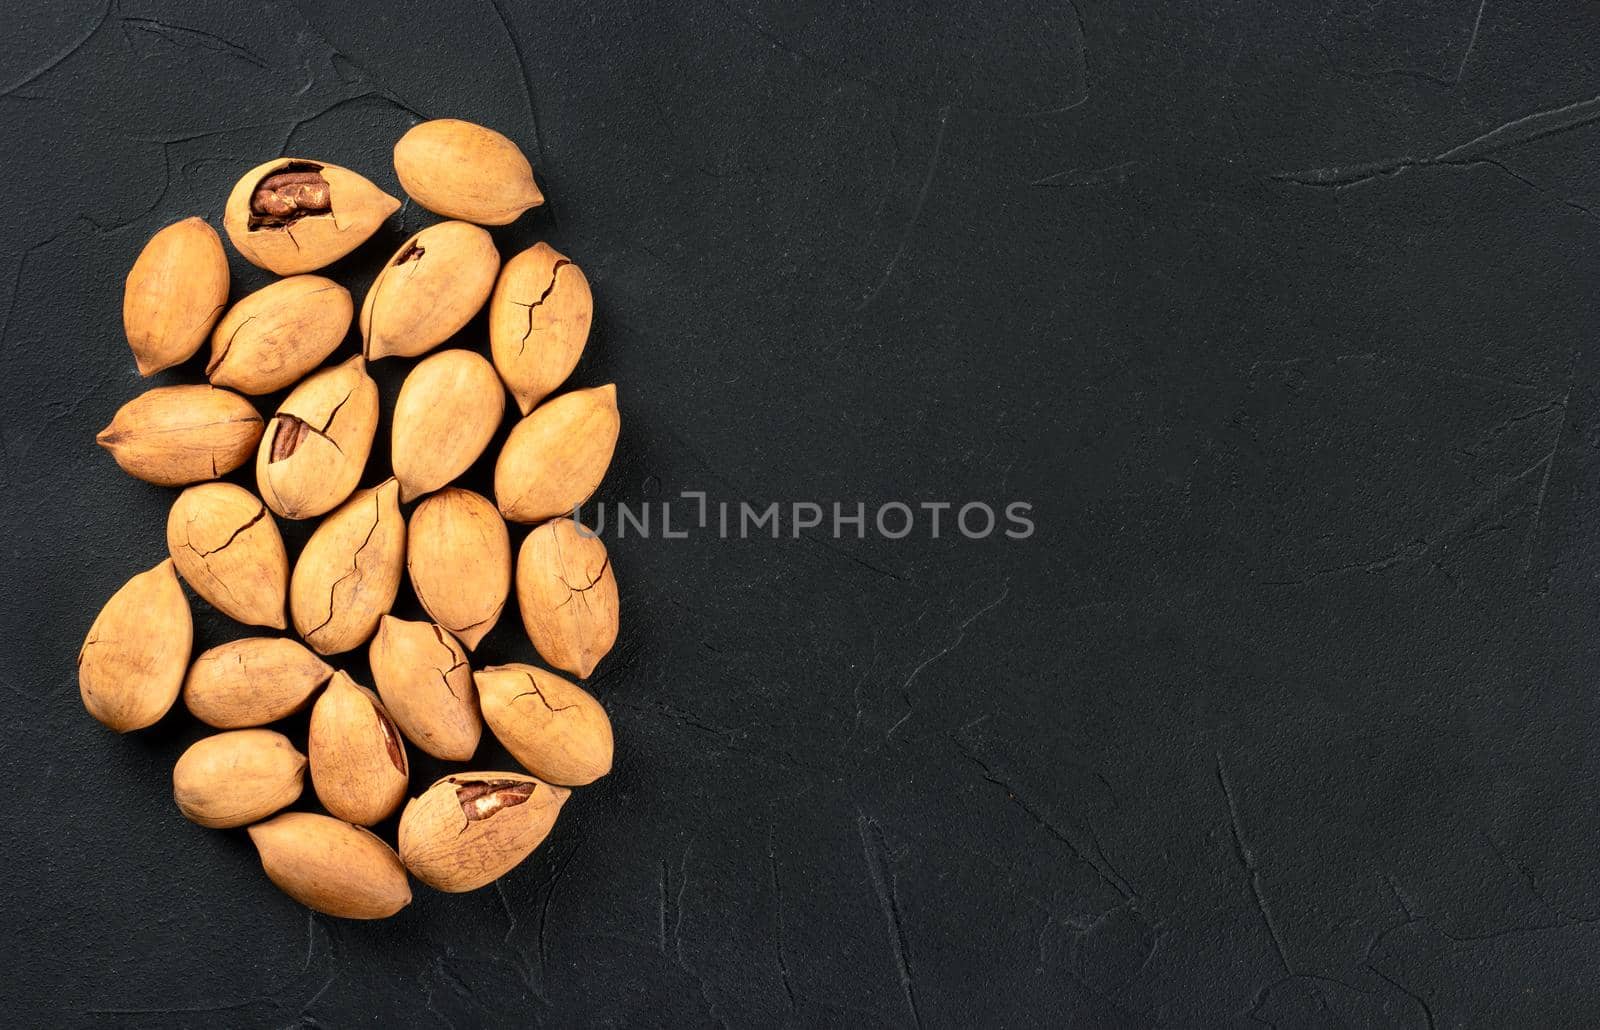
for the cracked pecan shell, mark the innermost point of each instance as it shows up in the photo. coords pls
(428, 290)
(252, 682)
(567, 593)
(554, 728)
(177, 435)
(228, 549)
(539, 319)
(349, 571)
(273, 337)
(315, 448)
(423, 678)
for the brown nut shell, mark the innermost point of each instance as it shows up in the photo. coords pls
(428, 290)
(173, 294)
(556, 457)
(539, 320)
(332, 867)
(459, 555)
(252, 682)
(567, 592)
(425, 682)
(349, 572)
(177, 435)
(237, 778)
(131, 665)
(554, 728)
(462, 170)
(448, 410)
(292, 215)
(470, 829)
(228, 549)
(272, 338)
(315, 448)
(358, 759)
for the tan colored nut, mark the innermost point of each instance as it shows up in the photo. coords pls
(429, 290)
(461, 170)
(252, 682)
(448, 410)
(459, 556)
(470, 829)
(174, 293)
(291, 215)
(131, 665)
(556, 457)
(568, 595)
(554, 728)
(539, 320)
(425, 682)
(358, 761)
(349, 572)
(227, 547)
(315, 448)
(237, 778)
(332, 867)
(272, 338)
(176, 435)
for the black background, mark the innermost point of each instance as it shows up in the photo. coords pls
(1281, 316)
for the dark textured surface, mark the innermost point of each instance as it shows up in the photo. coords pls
(1282, 315)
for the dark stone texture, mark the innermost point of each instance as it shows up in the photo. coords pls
(1281, 314)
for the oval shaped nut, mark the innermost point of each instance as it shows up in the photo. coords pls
(556, 457)
(459, 555)
(174, 293)
(470, 829)
(315, 448)
(425, 682)
(131, 665)
(272, 338)
(554, 728)
(177, 435)
(429, 290)
(462, 170)
(252, 682)
(228, 549)
(448, 410)
(292, 215)
(358, 761)
(568, 595)
(331, 867)
(349, 572)
(539, 320)
(237, 778)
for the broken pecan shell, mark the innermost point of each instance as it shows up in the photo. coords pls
(292, 215)
(315, 448)
(470, 829)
